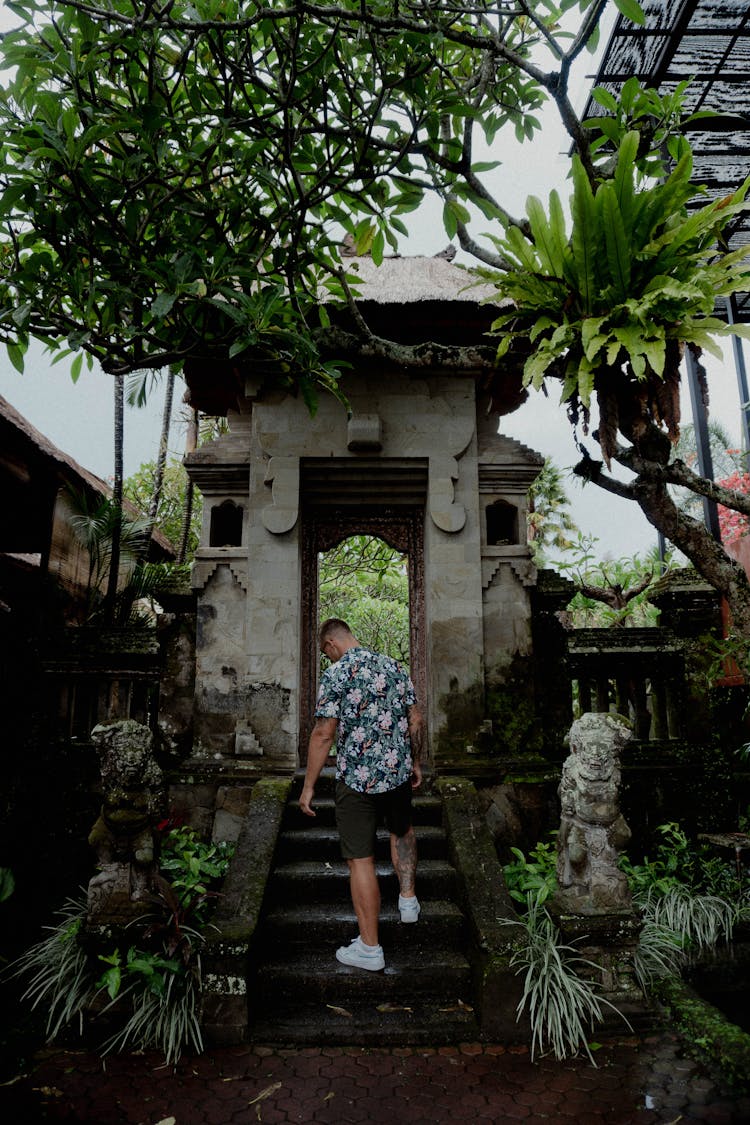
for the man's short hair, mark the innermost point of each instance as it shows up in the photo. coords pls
(332, 626)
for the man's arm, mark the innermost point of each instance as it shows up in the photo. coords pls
(321, 741)
(416, 737)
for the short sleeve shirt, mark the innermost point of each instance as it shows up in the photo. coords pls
(370, 696)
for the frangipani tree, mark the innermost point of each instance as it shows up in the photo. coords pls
(177, 175)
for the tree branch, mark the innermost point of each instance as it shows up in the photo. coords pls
(677, 472)
(417, 357)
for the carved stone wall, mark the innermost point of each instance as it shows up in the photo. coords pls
(404, 444)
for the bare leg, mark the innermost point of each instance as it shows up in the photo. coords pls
(365, 891)
(404, 860)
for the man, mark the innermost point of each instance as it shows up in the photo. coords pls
(366, 703)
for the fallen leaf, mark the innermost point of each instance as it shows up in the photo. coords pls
(328, 1097)
(265, 1093)
(393, 1008)
(18, 1078)
(457, 1008)
(166, 1121)
(339, 1011)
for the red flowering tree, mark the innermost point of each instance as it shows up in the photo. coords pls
(734, 525)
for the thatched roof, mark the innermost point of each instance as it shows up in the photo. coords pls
(405, 281)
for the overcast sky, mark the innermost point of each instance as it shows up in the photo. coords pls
(79, 418)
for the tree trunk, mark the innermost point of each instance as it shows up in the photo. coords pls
(161, 461)
(191, 443)
(696, 542)
(114, 557)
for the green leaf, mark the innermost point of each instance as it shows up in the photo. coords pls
(378, 247)
(524, 251)
(162, 304)
(15, 355)
(632, 11)
(654, 350)
(591, 338)
(546, 240)
(450, 220)
(604, 98)
(624, 179)
(75, 367)
(585, 236)
(503, 346)
(616, 240)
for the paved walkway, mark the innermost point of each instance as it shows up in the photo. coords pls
(635, 1082)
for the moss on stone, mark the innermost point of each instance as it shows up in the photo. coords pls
(515, 723)
(707, 1031)
(488, 908)
(245, 884)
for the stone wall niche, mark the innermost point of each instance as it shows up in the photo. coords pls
(225, 528)
(501, 524)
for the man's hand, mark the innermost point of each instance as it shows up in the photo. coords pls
(321, 741)
(416, 737)
(306, 799)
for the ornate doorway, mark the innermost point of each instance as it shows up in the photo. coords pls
(324, 527)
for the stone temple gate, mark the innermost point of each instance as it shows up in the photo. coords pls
(414, 458)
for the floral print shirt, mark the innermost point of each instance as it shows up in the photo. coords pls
(370, 695)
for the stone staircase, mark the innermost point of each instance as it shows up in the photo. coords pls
(299, 993)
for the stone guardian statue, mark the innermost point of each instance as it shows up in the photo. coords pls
(123, 838)
(593, 831)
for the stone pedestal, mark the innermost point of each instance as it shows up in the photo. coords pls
(610, 941)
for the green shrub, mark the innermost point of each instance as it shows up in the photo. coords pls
(689, 900)
(562, 1003)
(533, 875)
(153, 985)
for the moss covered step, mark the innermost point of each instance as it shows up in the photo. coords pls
(441, 923)
(326, 881)
(316, 975)
(420, 1022)
(322, 842)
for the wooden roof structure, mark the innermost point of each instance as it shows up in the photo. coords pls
(707, 42)
(32, 471)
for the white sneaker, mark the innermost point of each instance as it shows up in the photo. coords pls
(361, 956)
(409, 909)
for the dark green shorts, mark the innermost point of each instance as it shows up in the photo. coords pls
(358, 816)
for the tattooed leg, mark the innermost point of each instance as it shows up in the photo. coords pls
(404, 860)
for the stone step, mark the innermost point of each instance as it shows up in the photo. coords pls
(326, 881)
(317, 976)
(322, 842)
(326, 783)
(300, 994)
(421, 1022)
(426, 809)
(441, 923)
